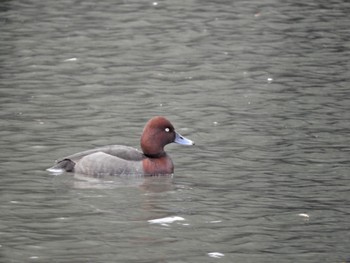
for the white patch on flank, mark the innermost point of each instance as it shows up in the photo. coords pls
(55, 171)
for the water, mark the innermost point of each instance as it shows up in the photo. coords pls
(262, 87)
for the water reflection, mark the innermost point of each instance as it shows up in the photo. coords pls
(155, 184)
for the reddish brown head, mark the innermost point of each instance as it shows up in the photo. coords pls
(157, 133)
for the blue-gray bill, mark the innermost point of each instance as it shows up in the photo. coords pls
(182, 140)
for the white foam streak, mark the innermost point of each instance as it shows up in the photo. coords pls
(166, 220)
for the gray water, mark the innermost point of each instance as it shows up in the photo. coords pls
(262, 87)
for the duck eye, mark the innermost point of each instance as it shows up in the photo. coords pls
(167, 129)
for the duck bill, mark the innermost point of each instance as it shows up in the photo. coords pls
(182, 140)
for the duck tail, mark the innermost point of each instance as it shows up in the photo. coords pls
(61, 166)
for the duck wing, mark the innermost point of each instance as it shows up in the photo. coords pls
(120, 151)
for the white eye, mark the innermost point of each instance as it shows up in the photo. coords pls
(167, 129)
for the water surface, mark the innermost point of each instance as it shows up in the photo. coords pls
(261, 87)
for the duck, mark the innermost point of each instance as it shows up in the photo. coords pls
(114, 160)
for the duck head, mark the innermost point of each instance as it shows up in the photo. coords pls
(157, 133)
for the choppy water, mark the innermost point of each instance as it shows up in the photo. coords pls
(262, 87)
